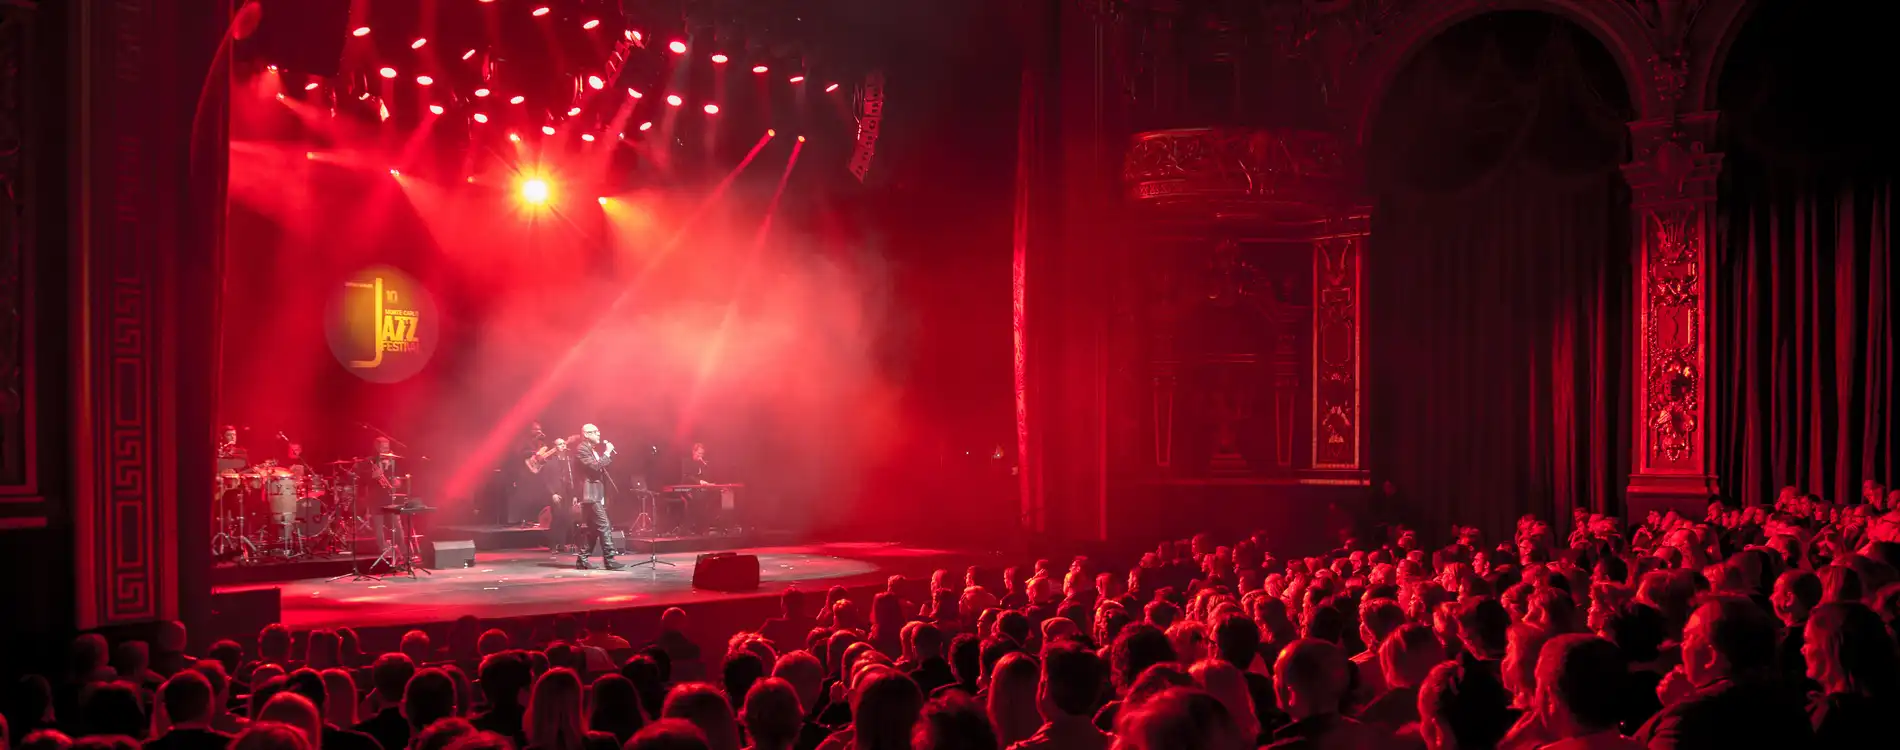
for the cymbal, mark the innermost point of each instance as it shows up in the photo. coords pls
(343, 462)
(387, 455)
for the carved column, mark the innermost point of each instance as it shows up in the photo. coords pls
(1672, 182)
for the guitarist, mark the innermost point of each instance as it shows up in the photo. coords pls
(554, 468)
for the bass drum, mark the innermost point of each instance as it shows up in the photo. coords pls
(312, 517)
(280, 497)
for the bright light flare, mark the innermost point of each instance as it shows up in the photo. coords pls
(797, 79)
(712, 109)
(760, 69)
(424, 80)
(634, 93)
(572, 111)
(594, 82)
(589, 137)
(770, 133)
(678, 47)
(646, 126)
(517, 99)
(514, 137)
(831, 88)
(418, 43)
(601, 200)
(311, 86)
(592, 23)
(360, 31)
(720, 59)
(479, 117)
(387, 72)
(481, 92)
(436, 109)
(468, 54)
(394, 173)
(801, 139)
(541, 11)
(547, 130)
(674, 99)
(635, 35)
(534, 191)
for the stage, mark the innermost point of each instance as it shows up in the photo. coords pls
(507, 584)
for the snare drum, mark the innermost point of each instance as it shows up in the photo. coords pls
(280, 497)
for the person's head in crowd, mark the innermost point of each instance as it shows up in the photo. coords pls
(1728, 638)
(1062, 628)
(505, 680)
(1519, 670)
(966, 658)
(649, 680)
(1321, 621)
(553, 720)
(1840, 583)
(273, 644)
(1180, 719)
(887, 614)
(46, 739)
(1228, 684)
(1605, 598)
(1161, 613)
(1236, 639)
(339, 701)
(1462, 707)
(1140, 646)
(1073, 679)
(803, 673)
(1552, 610)
(185, 701)
(416, 646)
(669, 734)
(1012, 697)
(1796, 594)
(442, 734)
(132, 660)
(265, 735)
(1874, 572)
(1580, 685)
(1637, 630)
(352, 647)
(1013, 625)
(112, 708)
(567, 628)
(88, 658)
(390, 675)
(322, 650)
(740, 670)
(294, 710)
(706, 708)
(1484, 627)
(840, 642)
(925, 642)
(483, 741)
(953, 722)
(1377, 619)
(428, 698)
(1409, 654)
(1672, 593)
(492, 641)
(613, 706)
(1310, 678)
(773, 714)
(261, 693)
(264, 673)
(884, 709)
(309, 684)
(674, 620)
(1610, 569)
(227, 653)
(1154, 681)
(1850, 651)
(944, 606)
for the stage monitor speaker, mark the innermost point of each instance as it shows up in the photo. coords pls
(726, 571)
(458, 553)
(239, 615)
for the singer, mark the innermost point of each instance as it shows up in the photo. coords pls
(592, 457)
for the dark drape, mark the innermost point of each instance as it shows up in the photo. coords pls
(1803, 356)
(1498, 277)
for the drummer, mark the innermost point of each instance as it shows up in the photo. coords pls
(295, 461)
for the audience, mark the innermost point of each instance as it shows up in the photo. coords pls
(184, 705)
(1728, 671)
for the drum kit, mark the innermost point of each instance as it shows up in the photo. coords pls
(274, 513)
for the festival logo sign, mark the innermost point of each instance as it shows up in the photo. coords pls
(382, 325)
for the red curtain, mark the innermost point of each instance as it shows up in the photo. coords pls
(1498, 278)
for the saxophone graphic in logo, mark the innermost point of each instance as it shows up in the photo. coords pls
(382, 325)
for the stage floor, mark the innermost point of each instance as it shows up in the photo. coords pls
(521, 583)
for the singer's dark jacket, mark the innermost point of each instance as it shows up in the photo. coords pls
(590, 472)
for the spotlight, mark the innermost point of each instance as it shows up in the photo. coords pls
(797, 79)
(720, 59)
(541, 11)
(435, 109)
(674, 99)
(601, 200)
(481, 92)
(394, 173)
(594, 82)
(388, 72)
(801, 139)
(534, 192)
(573, 111)
(468, 54)
(589, 137)
(831, 88)
(479, 117)
(760, 69)
(311, 86)
(712, 109)
(312, 155)
(629, 33)
(678, 47)
(592, 23)
(517, 99)
(471, 179)
(646, 126)
(424, 80)
(280, 97)
(271, 68)
(634, 93)
(514, 138)
(547, 130)
(417, 44)
(770, 133)
(635, 35)
(360, 31)
(623, 136)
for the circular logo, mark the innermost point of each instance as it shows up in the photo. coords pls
(382, 325)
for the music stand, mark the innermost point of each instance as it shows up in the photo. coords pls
(653, 546)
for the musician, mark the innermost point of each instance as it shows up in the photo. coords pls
(699, 506)
(527, 494)
(295, 461)
(695, 470)
(591, 459)
(228, 447)
(557, 477)
(380, 482)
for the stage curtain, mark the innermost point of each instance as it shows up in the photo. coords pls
(1498, 278)
(1804, 308)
